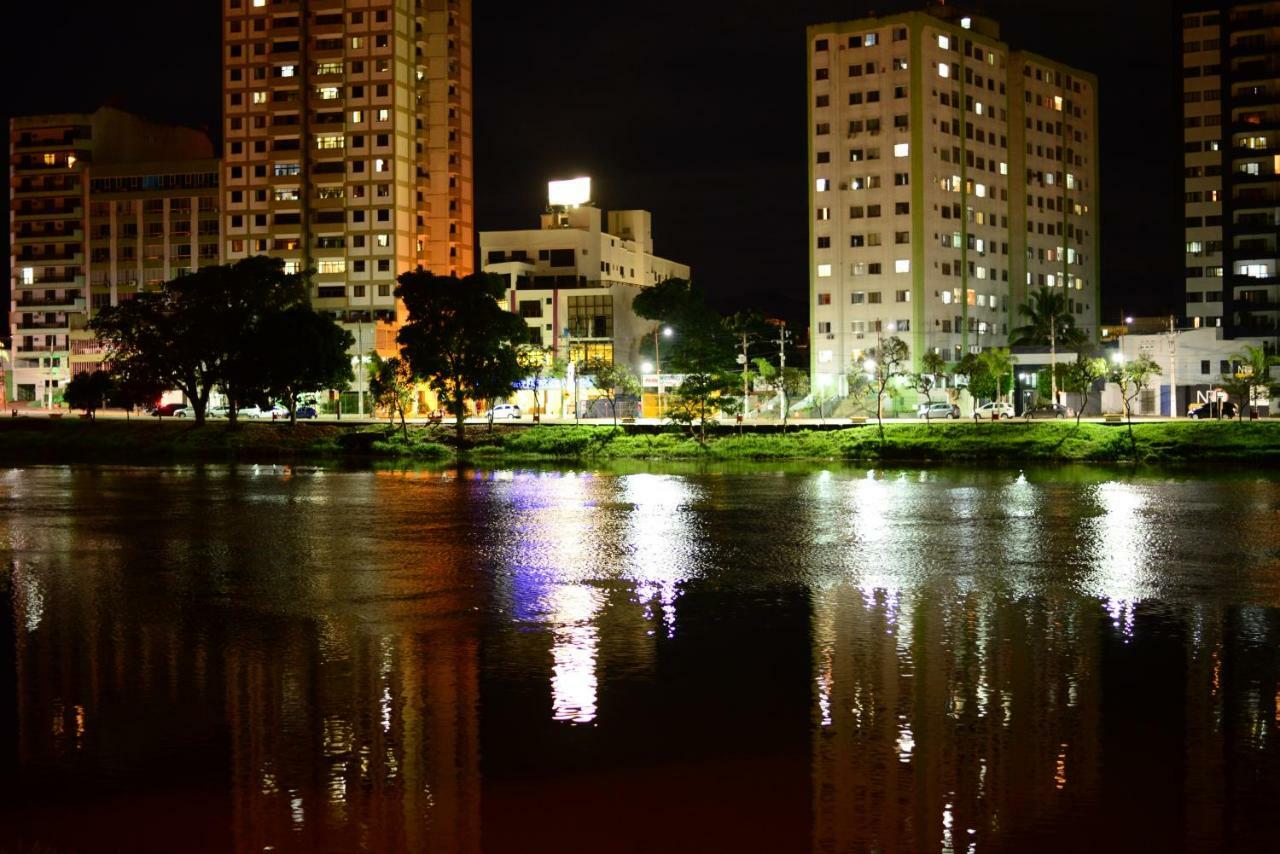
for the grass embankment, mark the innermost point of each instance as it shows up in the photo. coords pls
(144, 440)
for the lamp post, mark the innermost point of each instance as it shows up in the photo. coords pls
(660, 332)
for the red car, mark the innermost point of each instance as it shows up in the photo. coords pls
(168, 410)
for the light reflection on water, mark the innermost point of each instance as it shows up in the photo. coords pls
(827, 660)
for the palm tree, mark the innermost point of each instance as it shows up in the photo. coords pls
(998, 362)
(1257, 364)
(1049, 321)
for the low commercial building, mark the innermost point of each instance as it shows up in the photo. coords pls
(1193, 362)
(102, 204)
(574, 278)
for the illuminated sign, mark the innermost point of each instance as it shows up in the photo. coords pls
(569, 194)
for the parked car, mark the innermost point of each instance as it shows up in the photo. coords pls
(275, 412)
(185, 412)
(1046, 410)
(1213, 410)
(223, 411)
(307, 412)
(938, 409)
(994, 410)
(168, 410)
(504, 410)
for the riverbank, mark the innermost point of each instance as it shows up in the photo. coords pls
(1009, 443)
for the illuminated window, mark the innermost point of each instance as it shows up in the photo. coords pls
(901, 149)
(902, 265)
(258, 4)
(329, 140)
(288, 70)
(259, 97)
(357, 42)
(824, 272)
(384, 115)
(50, 159)
(380, 165)
(823, 185)
(288, 194)
(331, 265)
(383, 240)
(944, 70)
(357, 116)
(327, 93)
(292, 268)
(1004, 168)
(824, 213)
(966, 23)
(28, 275)
(944, 42)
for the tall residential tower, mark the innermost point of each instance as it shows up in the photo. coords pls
(949, 177)
(1231, 145)
(348, 146)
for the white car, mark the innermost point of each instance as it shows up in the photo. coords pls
(505, 410)
(994, 410)
(275, 412)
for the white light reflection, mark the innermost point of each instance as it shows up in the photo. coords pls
(1123, 549)
(30, 597)
(659, 541)
(575, 643)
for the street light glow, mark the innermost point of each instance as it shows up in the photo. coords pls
(647, 367)
(869, 366)
(667, 332)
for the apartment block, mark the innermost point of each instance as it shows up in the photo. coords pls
(949, 175)
(1231, 150)
(102, 206)
(574, 278)
(348, 148)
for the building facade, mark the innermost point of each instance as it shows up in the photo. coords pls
(102, 205)
(348, 149)
(949, 177)
(1231, 145)
(573, 279)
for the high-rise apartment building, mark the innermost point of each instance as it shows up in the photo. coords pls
(1231, 145)
(348, 129)
(103, 205)
(948, 177)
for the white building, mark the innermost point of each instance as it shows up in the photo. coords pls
(573, 279)
(1193, 360)
(949, 176)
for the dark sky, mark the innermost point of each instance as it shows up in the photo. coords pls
(692, 110)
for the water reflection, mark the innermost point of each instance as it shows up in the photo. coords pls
(837, 661)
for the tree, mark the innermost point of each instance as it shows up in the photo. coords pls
(301, 350)
(1049, 321)
(533, 362)
(1133, 378)
(933, 367)
(786, 384)
(88, 391)
(698, 399)
(235, 300)
(997, 364)
(459, 339)
(701, 341)
(613, 381)
(886, 362)
(1254, 374)
(391, 388)
(131, 389)
(1080, 377)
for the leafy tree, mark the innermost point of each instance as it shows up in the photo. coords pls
(699, 397)
(701, 343)
(614, 381)
(133, 390)
(300, 350)
(1049, 322)
(533, 362)
(391, 388)
(1254, 375)
(1080, 376)
(997, 364)
(459, 339)
(860, 389)
(88, 391)
(888, 361)
(932, 368)
(787, 384)
(1134, 378)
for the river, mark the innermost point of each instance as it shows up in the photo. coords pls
(256, 658)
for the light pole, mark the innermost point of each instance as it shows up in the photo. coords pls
(666, 332)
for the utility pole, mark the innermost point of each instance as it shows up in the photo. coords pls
(782, 372)
(657, 364)
(1173, 366)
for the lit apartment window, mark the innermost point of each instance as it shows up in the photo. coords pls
(292, 268)
(902, 265)
(329, 140)
(824, 272)
(259, 97)
(28, 275)
(287, 195)
(357, 42)
(258, 4)
(824, 213)
(944, 70)
(901, 149)
(824, 184)
(327, 93)
(383, 240)
(288, 70)
(357, 116)
(944, 42)
(331, 265)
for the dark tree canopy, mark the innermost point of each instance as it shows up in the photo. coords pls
(459, 339)
(299, 350)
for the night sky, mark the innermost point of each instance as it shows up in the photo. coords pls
(693, 110)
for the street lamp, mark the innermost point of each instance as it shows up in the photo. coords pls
(667, 332)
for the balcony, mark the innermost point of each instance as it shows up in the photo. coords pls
(27, 214)
(30, 141)
(61, 259)
(53, 282)
(71, 302)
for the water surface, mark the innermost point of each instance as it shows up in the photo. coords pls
(256, 658)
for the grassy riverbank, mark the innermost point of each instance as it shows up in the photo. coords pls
(144, 440)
